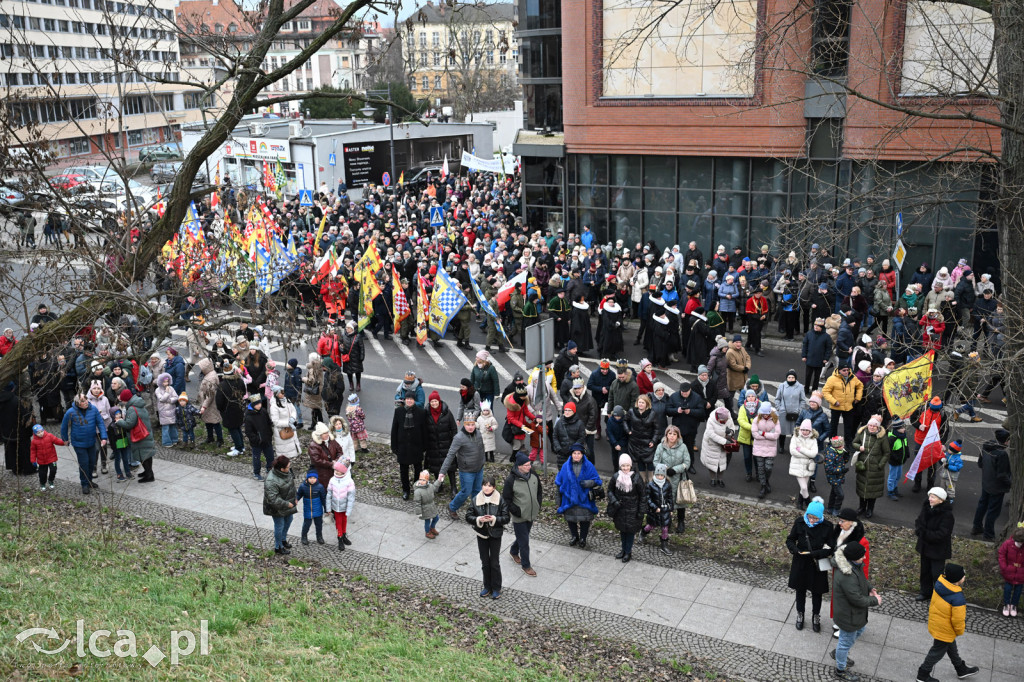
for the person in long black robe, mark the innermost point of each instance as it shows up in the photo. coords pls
(674, 347)
(609, 336)
(699, 348)
(661, 340)
(579, 325)
(46, 385)
(656, 307)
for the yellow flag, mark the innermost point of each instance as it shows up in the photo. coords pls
(908, 387)
(319, 234)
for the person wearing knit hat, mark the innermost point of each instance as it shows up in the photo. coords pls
(852, 596)
(871, 452)
(947, 619)
(522, 494)
(835, 465)
(341, 496)
(996, 481)
(934, 529)
(627, 504)
(808, 541)
(803, 452)
(933, 414)
(314, 502)
(661, 499)
(765, 431)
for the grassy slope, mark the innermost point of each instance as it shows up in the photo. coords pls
(754, 535)
(151, 579)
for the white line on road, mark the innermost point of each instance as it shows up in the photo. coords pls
(434, 355)
(405, 350)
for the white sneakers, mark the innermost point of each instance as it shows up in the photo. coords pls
(1009, 611)
(233, 453)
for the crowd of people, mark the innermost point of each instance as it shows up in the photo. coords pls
(707, 314)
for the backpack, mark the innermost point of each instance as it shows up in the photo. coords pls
(329, 385)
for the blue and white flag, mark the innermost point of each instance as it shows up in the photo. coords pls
(445, 303)
(486, 307)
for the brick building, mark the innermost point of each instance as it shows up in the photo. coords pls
(711, 126)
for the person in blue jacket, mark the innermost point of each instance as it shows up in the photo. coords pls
(175, 366)
(79, 427)
(314, 500)
(618, 432)
(575, 480)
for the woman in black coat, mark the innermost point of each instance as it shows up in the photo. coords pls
(409, 439)
(441, 430)
(934, 530)
(609, 330)
(642, 425)
(700, 341)
(488, 514)
(353, 349)
(808, 541)
(231, 403)
(579, 325)
(627, 504)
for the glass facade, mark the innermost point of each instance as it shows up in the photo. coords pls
(848, 207)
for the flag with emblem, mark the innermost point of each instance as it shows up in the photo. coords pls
(445, 303)
(422, 311)
(399, 303)
(486, 307)
(368, 290)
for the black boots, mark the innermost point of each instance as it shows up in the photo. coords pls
(345, 540)
(681, 525)
(319, 539)
(799, 620)
(305, 540)
(762, 492)
(816, 622)
(811, 488)
(341, 544)
(664, 548)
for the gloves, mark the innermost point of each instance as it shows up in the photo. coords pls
(671, 471)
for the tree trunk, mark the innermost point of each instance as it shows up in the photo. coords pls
(1008, 18)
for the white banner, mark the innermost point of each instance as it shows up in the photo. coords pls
(490, 165)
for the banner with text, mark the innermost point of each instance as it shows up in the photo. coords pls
(476, 163)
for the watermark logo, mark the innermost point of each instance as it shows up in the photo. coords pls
(182, 643)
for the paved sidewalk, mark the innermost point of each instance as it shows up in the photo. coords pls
(745, 631)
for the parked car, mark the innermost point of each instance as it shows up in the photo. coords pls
(167, 171)
(67, 181)
(10, 196)
(159, 152)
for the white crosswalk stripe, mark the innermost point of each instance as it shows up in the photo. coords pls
(457, 352)
(434, 355)
(405, 350)
(519, 361)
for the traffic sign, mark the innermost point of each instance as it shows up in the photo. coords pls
(540, 343)
(899, 224)
(436, 216)
(386, 179)
(332, 160)
(305, 197)
(899, 254)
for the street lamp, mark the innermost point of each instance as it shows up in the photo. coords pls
(368, 110)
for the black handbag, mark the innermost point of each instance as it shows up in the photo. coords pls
(792, 416)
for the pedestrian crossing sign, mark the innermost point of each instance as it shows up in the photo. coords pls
(436, 216)
(305, 197)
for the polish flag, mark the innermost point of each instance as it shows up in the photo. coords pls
(505, 292)
(928, 454)
(444, 168)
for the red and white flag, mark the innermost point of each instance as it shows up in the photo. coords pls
(399, 302)
(928, 454)
(505, 292)
(444, 168)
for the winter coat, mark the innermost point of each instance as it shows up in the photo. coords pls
(166, 401)
(522, 495)
(293, 384)
(408, 445)
(488, 505)
(804, 573)
(995, 468)
(688, 424)
(641, 436)
(934, 530)
(43, 450)
(341, 493)
(622, 393)
(466, 452)
(485, 380)
(789, 399)
(661, 497)
(802, 452)
(817, 348)
(851, 596)
(208, 392)
(870, 467)
(745, 419)
(712, 446)
(586, 409)
(618, 436)
(175, 366)
(79, 426)
(738, 362)
(719, 370)
(311, 387)
(627, 509)
(440, 435)
(353, 347)
(677, 460)
(835, 465)
(765, 434)
(487, 426)
(323, 455)
(282, 416)
(314, 499)
(819, 422)
(576, 505)
(279, 494)
(258, 428)
(564, 434)
(947, 612)
(423, 498)
(899, 448)
(1011, 562)
(842, 395)
(135, 411)
(231, 401)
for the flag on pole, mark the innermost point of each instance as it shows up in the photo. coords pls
(319, 235)
(368, 290)
(323, 268)
(505, 291)
(447, 300)
(486, 307)
(444, 168)
(399, 303)
(908, 387)
(928, 454)
(401, 178)
(422, 311)
(214, 201)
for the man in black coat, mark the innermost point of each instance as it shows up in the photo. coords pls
(687, 412)
(409, 440)
(934, 530)
(816, 351)
(566, 359)
(996, 480)
(260, 433)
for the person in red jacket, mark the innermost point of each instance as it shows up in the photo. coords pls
(44, 455)
(932, 327)
(7, 342)
(932, 413)
(1011, 565)
(757, 316)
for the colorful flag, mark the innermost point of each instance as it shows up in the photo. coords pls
(368, 290)
(319, 236)
(505, 291)
(159, 205)
(399, 303)
(486, 307)
(445, 303)
(401, 178)
(928, 454)
(422, 310)
(444, 168)
(324, 268)
(370, 260)
(908, 387)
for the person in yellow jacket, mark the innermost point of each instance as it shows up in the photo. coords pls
(947, 619)
(843, 392)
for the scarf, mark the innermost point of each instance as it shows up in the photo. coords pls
(624, 481)
(410, 421)
(809, 524)
(659, 482)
